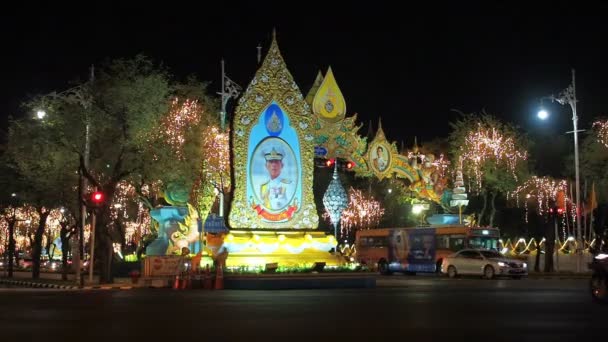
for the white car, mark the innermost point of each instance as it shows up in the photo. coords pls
(485, 263)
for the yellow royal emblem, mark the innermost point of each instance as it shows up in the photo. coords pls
(328, 103)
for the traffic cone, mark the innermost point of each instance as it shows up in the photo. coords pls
(219, 278)
(176, 283)
(207, 279)
(186, 282)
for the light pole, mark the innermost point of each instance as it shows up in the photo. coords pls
(229, 90)
(568, 96)
(80, 94)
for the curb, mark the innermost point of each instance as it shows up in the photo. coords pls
(557, 276)
(38, 285)
(62, 287)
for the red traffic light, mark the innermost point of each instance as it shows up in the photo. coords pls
(329, 162)
(350, 165)
(97, 197)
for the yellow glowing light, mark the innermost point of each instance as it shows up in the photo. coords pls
(281, 238)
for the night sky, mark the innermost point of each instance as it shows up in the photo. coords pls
(409, 66)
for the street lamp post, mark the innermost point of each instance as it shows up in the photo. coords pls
(568, 96)
(82, 183)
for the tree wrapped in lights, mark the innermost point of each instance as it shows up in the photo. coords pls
(362, 212)
(547, 195)
(174, 127)
(543, 191)
(139, 132)
(214, 176)
(492, 156)
(601, 131)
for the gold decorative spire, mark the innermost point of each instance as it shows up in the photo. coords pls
(315, 87)
(272, 83)
(380, 131)
(329, 103)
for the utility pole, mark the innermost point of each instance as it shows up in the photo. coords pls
(79, 257)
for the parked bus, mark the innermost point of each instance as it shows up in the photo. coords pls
(419, 249)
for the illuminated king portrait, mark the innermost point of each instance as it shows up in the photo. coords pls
(273, 151)
(274, 188)
(380, 155)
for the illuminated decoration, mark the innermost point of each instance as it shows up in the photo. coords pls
(215, 173)
(335, 200)
(313, 89)
(601, 130)
(565, 246)
(427, 175)
(361, 213)
(3, 236)
(380, 155)
(136, 230)
(273, 221)
(178, 228)
(52, 233)
(431, 174)
(459, 193)
(328, 103)
(338, 138)
(290, 248)
(459, 197)
(545, 192)
(418, 208)
(129, 212)
(487, 144)
(183, 114)
(335, 135)
(273, 127)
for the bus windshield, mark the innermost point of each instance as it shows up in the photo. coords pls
(483, 242)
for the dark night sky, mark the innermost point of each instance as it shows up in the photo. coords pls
(407, 64)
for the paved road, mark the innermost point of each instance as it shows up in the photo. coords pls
(410, 308)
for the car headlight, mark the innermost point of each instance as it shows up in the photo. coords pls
(502, 264)
(601, 256)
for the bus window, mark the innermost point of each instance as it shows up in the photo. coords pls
(483, 242)
(456, 242)
(443, 242)
(374, 241)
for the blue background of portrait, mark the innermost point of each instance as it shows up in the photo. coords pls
(288, 133)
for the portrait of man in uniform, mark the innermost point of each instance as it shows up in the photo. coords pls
(276, 185)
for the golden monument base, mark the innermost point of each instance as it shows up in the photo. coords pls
(257, 250)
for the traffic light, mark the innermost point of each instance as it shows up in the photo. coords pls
(350, 165)
(96, 199)
(329, 162)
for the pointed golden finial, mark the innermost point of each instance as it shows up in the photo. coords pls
(328, 103)
(315, 87)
